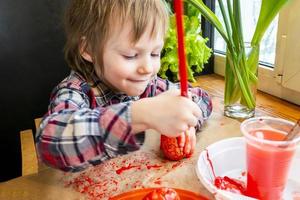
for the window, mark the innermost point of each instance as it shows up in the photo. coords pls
(250, 12)
(279, 50)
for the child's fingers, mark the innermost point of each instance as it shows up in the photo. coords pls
(181, 140)
(192, 121)
(187, 146)
(191, 138)
(193, 143)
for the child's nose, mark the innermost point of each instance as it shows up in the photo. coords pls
(145, 67)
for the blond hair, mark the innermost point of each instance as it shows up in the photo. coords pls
(93, 20)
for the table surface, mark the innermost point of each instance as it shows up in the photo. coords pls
(143, 168)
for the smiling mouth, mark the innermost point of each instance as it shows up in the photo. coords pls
(138, 81)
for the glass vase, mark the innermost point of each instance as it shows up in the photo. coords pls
(241, 81)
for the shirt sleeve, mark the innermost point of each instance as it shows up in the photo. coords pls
(73, 136)
(199, 96)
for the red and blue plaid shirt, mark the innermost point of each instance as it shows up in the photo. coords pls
(85, 125)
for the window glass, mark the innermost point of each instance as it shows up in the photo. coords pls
(250, 13)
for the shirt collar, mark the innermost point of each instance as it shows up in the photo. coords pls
(105, 95)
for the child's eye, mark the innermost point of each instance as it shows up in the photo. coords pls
(130, 57)
(155, 54)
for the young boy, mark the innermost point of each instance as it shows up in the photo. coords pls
(113, 94)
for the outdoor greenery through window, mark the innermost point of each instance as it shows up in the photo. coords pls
(250, 12)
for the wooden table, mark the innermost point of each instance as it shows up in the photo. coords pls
(144, 168)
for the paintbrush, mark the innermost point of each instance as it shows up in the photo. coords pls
(295, 130)
(181, 51)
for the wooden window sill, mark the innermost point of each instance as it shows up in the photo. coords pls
(266, 104)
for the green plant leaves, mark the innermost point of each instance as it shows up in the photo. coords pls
(197, 53)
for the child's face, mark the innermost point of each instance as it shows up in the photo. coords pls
(130, 67)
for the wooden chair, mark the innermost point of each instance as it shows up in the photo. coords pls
(30, 161)
(29, 156)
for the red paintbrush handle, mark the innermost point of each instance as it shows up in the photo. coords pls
(180, 40)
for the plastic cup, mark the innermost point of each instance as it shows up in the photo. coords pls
(268, 156)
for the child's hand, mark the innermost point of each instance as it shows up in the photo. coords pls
(187, 141)
(168, 113)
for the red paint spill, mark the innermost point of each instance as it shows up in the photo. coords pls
(153, 166)
(176, 165)
(230, 184)
(226, 183)
(157, 181)
(122, 169)
(109, 179)
(210, 163)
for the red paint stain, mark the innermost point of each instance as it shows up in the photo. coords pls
(226, 183)
(122, 169)
(157, 181)
(230, 184)
(153, 166)
(107, 180)
(176, 165)
(210, 163)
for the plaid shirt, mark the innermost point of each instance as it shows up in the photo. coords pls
(85, 125)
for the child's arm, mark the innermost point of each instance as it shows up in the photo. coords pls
(73, 136)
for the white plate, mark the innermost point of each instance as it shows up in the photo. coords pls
(228, 159)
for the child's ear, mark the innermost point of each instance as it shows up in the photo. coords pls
(87, 56)
(84, 50)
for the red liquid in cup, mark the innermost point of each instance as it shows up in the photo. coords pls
(267, 166)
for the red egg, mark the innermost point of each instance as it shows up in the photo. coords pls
(162, 194)
(170, 148)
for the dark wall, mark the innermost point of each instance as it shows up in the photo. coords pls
(31, 64)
